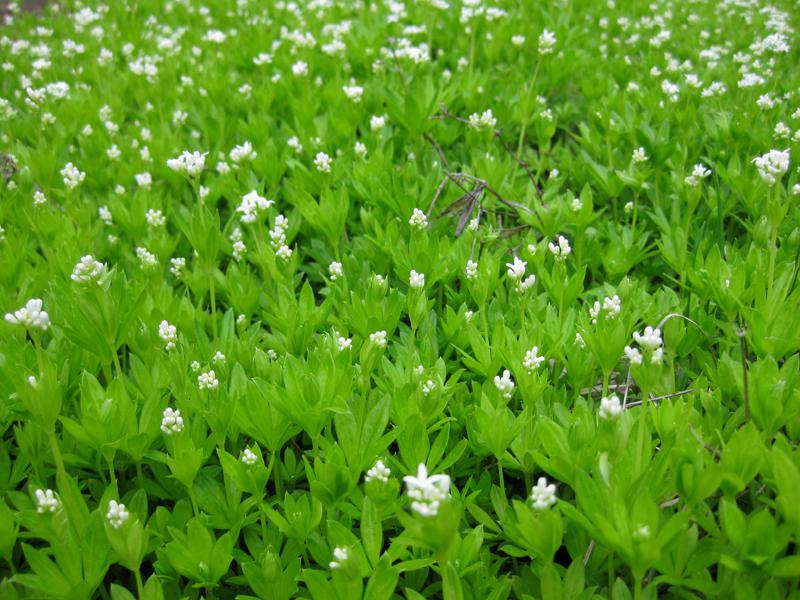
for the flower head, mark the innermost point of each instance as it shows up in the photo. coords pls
(427, 492)
(88, 270)
(378, 472)
(610, 407)
(46, 501)
(171, 421)
(31, 315)
(772, 165)
(543, 495)
(117, 514)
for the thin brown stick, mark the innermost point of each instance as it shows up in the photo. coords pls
(498, 134)
(659, 398)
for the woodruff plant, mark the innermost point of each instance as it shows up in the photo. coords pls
(449, 299)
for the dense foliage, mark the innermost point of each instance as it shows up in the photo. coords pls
(400, 300)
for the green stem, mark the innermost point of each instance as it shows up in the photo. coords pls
(212, 293)
(117, 366)
(500, 475)
(51, 436)
(139, 586)
(773, 252)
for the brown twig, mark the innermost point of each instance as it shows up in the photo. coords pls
(659, 398)
(498, 134)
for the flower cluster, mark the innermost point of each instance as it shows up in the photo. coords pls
(88, 270)
(46, 501)
(31, 316)
(504, 384)
(208, 380)
(171, 421)
(188, 163)
(650, 341)
(252, 203)
(543, 495)
(427, 492)
(378, 472)
(117, 515)
(772, 165)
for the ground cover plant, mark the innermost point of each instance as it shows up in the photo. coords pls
(400, 300)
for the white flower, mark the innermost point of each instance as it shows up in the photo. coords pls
(485, 119)
(208, 380)
(340, 554)
(188, 163)
(518, 40)
(323, 162)
(416, 280)
(633, 355)
(168, 333)
(651, 338)
(249, 457)
(284, 252)
(360, 149)
(378, 472)
(547, 40)
(155, 218)
(177, 265)
(579, 341)
(171, 421)
(146, 258)
(117, 514)
(576, 205)
(218, 358)
(504, 384)
(343, 343)
(428, 386)
(262, 59)
(72, 176)
(243, 152)
(335, 270)
(113, 153)
(378, 338)
(562, 250)
(532, 360)
(39, 198)
(612, 306)
(144, 180)
(46, 501)
(526, 284)
(427, 492)
(252, 203)
(353, 92)
(88, 270)
(610, 407)
(31, 315)
(471, 270)
(300, 69)
(699, 172)
(418, 219)
(639, 155)
(377, 122)
(543, 495)
(772, 165)
(516, 269)
(215, 36)
(294, 143)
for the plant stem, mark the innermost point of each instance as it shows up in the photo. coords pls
(500, 475)
(212, 293)
(139, 586)
(51, 436)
